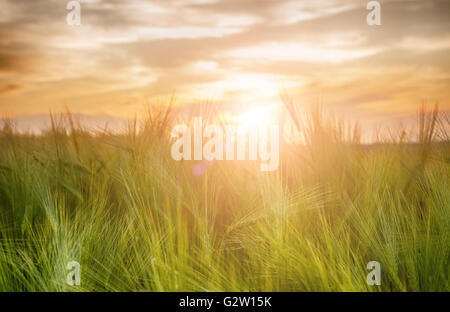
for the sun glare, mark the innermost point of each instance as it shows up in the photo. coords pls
(256, 116)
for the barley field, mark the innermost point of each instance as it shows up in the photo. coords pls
(137, 220)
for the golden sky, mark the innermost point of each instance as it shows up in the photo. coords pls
(236, 52)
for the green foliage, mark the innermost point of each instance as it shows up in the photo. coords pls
(136, 220)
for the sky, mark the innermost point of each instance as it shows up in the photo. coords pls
(239, 53)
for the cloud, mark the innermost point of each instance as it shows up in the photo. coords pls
(125, 51)
(9, 87)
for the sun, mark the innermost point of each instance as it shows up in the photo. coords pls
(256, 116)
